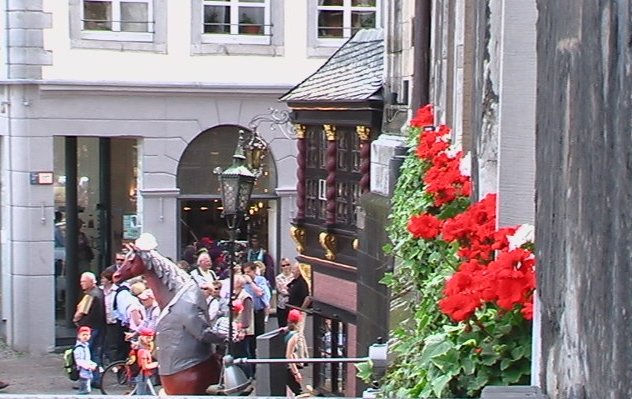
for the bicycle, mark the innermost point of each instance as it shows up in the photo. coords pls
(118, 378)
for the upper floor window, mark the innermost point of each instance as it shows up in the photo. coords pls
(341, 19)
(128, 20)
(236, 21)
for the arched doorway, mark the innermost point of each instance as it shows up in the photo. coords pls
(199, 202)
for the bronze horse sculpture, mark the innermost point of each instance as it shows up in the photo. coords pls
(183, 336)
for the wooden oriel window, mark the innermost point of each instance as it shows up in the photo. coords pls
(347, 177)
(315, 174)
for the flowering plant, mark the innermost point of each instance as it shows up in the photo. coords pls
(466, 285)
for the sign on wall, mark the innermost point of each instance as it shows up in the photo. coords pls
(131, 227)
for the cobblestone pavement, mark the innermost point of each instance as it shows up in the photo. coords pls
(33, 374)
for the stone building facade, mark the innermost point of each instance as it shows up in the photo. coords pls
(105, 100)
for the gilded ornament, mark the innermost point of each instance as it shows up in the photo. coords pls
(330, 132)
(328, 242)
(298, 236)
(355, 244)
(364, 133)
(299, 130)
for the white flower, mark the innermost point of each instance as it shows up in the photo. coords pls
(465, 166)
(146, 242)
(523, 235)
(452, 151)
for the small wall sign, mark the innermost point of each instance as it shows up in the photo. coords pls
(41, 178)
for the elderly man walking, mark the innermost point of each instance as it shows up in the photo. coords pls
(91, 312)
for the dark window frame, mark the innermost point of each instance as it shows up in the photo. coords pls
(335, 372)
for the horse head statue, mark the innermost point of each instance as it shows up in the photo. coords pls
(183, 332)
(163, 276)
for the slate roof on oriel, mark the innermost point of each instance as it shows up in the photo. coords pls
(353, 73)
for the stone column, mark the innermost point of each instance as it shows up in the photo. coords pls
(159, 217)
(28, 293)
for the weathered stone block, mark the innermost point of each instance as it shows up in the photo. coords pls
(24, 5)
(29, 20)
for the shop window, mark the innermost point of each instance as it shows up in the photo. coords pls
(236, 21)
(330, 342)
(106, 205)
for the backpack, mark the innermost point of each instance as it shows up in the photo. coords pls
(118, 290)
(70, 366)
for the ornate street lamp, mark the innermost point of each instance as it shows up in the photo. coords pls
(236, 183)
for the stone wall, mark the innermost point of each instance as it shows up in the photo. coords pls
(584, 197)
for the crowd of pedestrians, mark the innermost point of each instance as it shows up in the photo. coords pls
(114, 320)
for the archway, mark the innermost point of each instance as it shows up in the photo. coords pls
(199, 202)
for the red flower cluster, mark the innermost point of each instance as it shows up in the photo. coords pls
(475, 230)
(424, 226)
(424, 117)
(433, 143)
(507, 281)
(443, 179)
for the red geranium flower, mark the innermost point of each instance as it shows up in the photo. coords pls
(423, 117)
(424, 226)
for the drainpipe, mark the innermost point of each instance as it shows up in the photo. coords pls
(421, 43)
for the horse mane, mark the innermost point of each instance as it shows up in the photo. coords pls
(171, 275)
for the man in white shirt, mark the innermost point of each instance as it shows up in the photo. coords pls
(203, 273)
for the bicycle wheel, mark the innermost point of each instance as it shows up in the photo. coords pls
(115, 380)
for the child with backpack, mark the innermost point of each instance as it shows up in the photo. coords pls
(84, 365)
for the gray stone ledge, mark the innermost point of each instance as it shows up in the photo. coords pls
(24, 5)
(512, 392)
(237, 49)
(29, 20)
(116, 45)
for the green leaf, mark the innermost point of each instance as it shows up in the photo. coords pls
(365, 371)
(449, 362)
(387, 248)
(517, 352)
(468, 366)
(387, 279)
(505, 363)
(435, 346)
(438, 384)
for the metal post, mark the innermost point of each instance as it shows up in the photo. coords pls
(72, 230)
(105, 204)
(231, 272)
